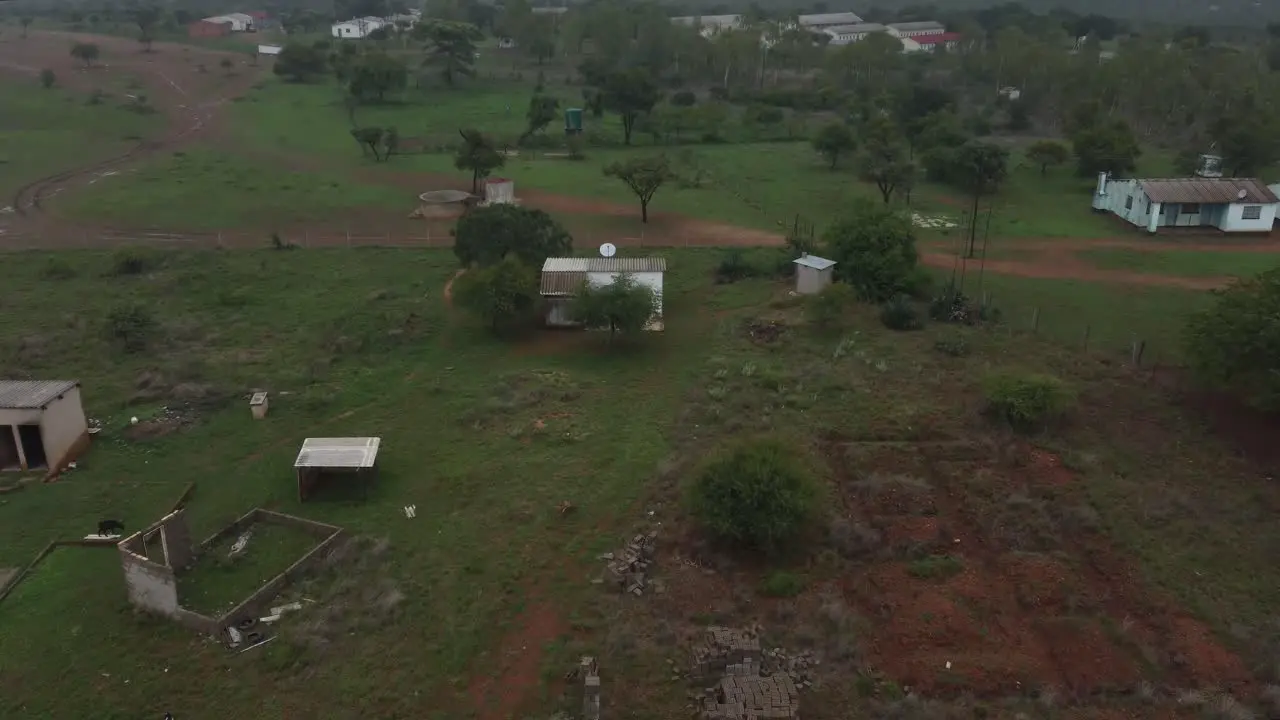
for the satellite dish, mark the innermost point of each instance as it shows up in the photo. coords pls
(608, 250)
(1241, 195)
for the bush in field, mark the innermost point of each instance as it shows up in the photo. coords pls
(131, 261)
(1026, 401)
(758, 494)
(875, 251)
(900, 314)
(1235, 343)
(828, 309)
(130, 326)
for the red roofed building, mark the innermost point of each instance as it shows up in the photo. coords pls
(945, 39)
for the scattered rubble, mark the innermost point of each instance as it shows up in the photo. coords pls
(764, 331)
(932, 222)
(751, 698)
(590, 688)
(627, 567)
(237, 548)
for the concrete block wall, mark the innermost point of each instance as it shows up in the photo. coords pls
(175, 538)
(151, 585)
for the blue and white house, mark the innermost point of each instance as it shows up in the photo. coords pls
(1232, 205)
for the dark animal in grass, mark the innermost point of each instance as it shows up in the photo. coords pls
(110, 527)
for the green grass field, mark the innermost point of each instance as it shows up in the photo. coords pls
(1190, 263)
(487, 438)
(43, 132)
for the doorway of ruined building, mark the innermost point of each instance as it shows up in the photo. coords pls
(32, 446)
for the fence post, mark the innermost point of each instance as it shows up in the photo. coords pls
(348, 231)
(306, 238)
(219, 238)
(1087, 328)
(1035, 319)
(1139, 347)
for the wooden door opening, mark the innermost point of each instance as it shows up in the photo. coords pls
(8, 449)
(32, 446)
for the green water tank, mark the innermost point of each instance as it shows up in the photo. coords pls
(573, 120)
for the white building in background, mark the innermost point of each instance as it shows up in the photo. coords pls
(916, 29)
(845, 34)
(357, 28)
(563, 277)
(826, 20)
(709, 25)
(239, 22)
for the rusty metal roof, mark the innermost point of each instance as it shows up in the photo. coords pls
(352, 452)
(561, 283)
(605, 264)
(32, 394)
(1208, 190)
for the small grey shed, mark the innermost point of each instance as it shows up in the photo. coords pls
(813, 273)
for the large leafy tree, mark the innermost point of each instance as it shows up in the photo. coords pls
(630, 93)
(146, 18)
(875, 250)
(478, 155)
(884, 158)
(499, 294)
(1249, 141)
(833, 140)
(644, 175)
(623, 306)
(299, 62)
(86, 53)
(1235, 344)
(450, 46)
(1106, 147)
(374, 75)
(1047, 152)
(488, 234)
(542, 110)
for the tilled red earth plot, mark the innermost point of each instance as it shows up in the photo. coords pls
(1001, 583)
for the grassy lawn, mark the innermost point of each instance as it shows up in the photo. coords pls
(206, 189)
(487, 438)
(1182, 262)
(43, 132)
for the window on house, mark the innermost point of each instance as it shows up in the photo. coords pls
(1252, 212)
(1128, 203)
(1190, 209)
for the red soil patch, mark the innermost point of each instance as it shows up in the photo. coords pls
(1086, 658)
(1204, 657)
(1040, 583)
(917, 530)
(518, 664)
(448, 288)
(1055, 269)
(1046, 467)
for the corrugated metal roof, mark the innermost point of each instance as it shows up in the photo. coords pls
(1208, 190)
(31, 394)
(847, 18)
(603, 264)
(354, 452)
(815, 262)
(855, 28)
(561, 283)
(939, 38)
(922, 25)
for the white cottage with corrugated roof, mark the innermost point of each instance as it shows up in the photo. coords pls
(42, 424)
(1232, 205)
(563, 277)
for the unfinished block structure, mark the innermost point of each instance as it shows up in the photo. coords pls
(153, 558)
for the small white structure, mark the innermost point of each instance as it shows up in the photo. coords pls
(1228, 204)
(813, 273)
(916, 29)
(239, 22)
(269, 49)
(1009, 93)
(563, 277)
(42, 424)
(258, 405)
(709, 25)
(321, 457)
(499, 191)
(357, 28)
(506, 43)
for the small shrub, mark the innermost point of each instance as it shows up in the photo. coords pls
(1026, 401)
(733, 267)
(758, 494)
(935, 567)
(853, 539)
(955, 346)
(131, 261)
(684, 98)
(953, 306)
(57, 269)
(827, 309)
(900, 314)
(130, 326)
(781, 583)
(47, 78)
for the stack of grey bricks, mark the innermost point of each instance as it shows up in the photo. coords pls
(729, 662)
(628, 566)
(590, 672)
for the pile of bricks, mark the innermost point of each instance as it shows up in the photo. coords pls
(590, 672)
(752, 698)
(627, 567)
(727, 651)
(746, 683)
(798, 667)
